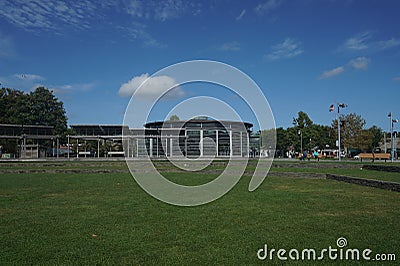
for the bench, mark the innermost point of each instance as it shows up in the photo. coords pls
(382, 156)
(116, 153)
(373, 156)
(309, 156)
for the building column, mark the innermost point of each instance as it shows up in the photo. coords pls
(248, 144)
(241, 144)
(230, 144)
(157, 141)
(201, 143)
(77, 148)
(151, 147)
(98, 147)
(216, 139)
(166, 147)
(170, 146)
(137, 147)
(128, 147)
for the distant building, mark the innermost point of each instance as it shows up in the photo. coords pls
(25, 141)
(194, 138)
(199, 137)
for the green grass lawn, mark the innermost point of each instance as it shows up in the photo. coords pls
(50, 219)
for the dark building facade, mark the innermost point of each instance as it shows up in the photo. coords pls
(199, 137)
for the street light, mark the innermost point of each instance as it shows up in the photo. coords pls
(339, 105)
(394, 143)
(301, 140)
(392, 121)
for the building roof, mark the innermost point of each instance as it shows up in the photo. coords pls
(14, 130)
(99, 130)
(199, 123)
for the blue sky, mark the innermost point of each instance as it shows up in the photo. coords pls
(304, 55)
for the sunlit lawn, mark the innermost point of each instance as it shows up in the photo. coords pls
(108, 219)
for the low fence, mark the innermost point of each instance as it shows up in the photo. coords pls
(366, 182)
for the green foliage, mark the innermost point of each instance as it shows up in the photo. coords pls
(354, 135)
(39, 107)
(174, 118)
(351, 129)
(304, 129)
(15, 107)
(376, 136)
(302, 120)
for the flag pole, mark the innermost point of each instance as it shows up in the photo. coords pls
(392, 121)
(338, 119)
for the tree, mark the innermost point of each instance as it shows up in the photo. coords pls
(39, 107)
(174, 118)
(15, 107)
(281, 141)
(351, 130)
(376, 136)
(48, 110)
(320, 136)
(302, 120)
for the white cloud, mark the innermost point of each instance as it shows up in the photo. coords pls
(360, 63)
(160, 10)
(267, 6)
(230, 46)
(287, 49)
(28, 77)
(58, 15)
(241, 14)
(365, 40)
(150, 87)
(165, 10)
(29, 82)
(331, 73)
(71, 88)
(387, 44)
(49, 15)
(396, 78)
(358, 42)
(138, 31)
(135, 9)
(21, 81)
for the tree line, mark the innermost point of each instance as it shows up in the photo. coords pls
(306, 135)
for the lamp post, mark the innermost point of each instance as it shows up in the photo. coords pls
(392, 121)
(301, 140)
(339, 105)
(394, 144)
